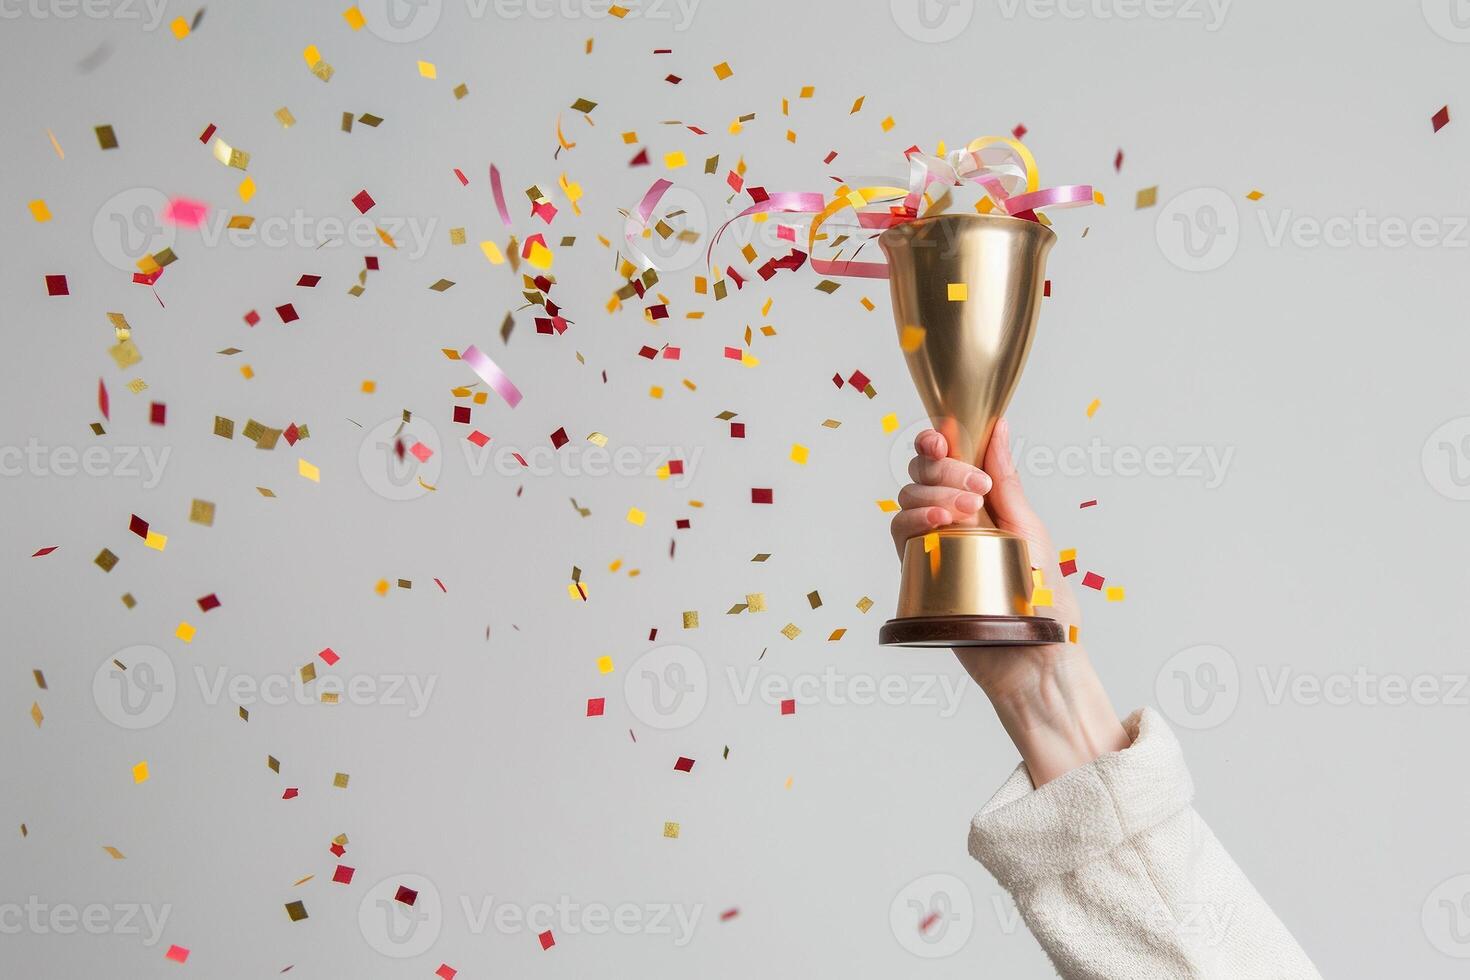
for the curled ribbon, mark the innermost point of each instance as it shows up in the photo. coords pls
(1003, 168)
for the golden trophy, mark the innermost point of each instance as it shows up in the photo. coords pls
(973, 285)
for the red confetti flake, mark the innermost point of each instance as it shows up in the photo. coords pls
(1046, 287)
(462, 414)
(735, 181)
(737, 430)
(441, 586)
(641, 160)
(685, 764)
(45, 551)
(141, 280)
(178, 954)
(1118, 161)
(830, 157)
(653, 634)
(292, 433)
(559, 438)
(928, 921)
(647, 352)
(673, 79)
(364, 201)
(1093, 580)
(1019, 132)
(682, 524)
(102, 401)
(371, 261)
(463, 180)
(308, 282)
(547, 939)
(522, 460)
(252, 318)
(762, 495)
(859, 380)
(478, 438)
(206, 603)
(138, 526)
(658, 312)
(1069, 567)
(56, 286)
(729, 914)
(337, 849)
(445, 971)
(291, 793)
(788, 706)
(595, 707)
(671, 353)
(287, 313)
(405, 895)
(208, 132)
(732, 353)
(1087, 503)
(157, 412)
(1441, 118)
(343, 874)
(676, 467)
(330, 656)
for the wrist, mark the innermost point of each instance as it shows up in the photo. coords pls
(1055, 711)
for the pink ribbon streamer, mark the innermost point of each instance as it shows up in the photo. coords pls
(499, 193)
(491, 374)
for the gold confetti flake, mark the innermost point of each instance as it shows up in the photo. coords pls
(836, 635)
(308, 673)
(756, 601)
(722, 70)
(815, 599)
(202, 512)
(456, 236)
(339, 781)
(36, 715)
(864, 604)
(791, 631)
(296, 910)
(113, 852)
(691, 619)
(1146, 198)
(105, 560)
(272, 763)
(106, 137)
(40, 679)
(671, 829)
(284, 117)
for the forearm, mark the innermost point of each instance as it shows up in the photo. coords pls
(1056, 712)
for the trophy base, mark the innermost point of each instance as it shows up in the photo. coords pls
(970, 631)
(967, 587)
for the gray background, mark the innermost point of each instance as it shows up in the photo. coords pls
(1331, 545)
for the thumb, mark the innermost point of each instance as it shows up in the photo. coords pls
(1007, 500)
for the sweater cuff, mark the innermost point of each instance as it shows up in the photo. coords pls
(1024, 835)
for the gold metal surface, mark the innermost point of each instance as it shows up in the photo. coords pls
(965, 367)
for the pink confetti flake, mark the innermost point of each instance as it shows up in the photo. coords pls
(421, 452)
(329, 656)
(186, 213)
(178, 954)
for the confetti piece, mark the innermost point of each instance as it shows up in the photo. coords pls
(140, 772)
(722, 70)
(887, 506)
(1093, 580)
(958, 292)
(36, 715)
(1093, 406)
(40, 211)
(296, 910)
(491, 374)
(428, 70)
(671, 829)
(354, 18)
(1114, 593)
(309, 471)
(1441, 118)
(799, 454)
(185, 632)
(1254, 196)
(788, 706)
(1146, 198)
(546, 939)
(595, 707)
(177, 953)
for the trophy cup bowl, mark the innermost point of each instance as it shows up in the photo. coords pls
(973, 284)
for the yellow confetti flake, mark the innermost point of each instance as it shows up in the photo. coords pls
(958, 292)
(722, 70)
(1146, 198)
(140, 772)
(113, 852)
(186, 632)
(247, 189)
(382, 587)
(1041, 597)
(369, 386)
(888, 506)
(1067, 554)
(799, 454)
(887, 123)
(636, 517)
(597, 439)
(890, 422)
(1254, 196)
(156, 541)
(284, 117)
(604, 664)
(309, 471)
(540, 256)
(675, 159)
(1093, 406)
(1114, 593)
(427, 69)
(671, 829)
(836, 635)
(36, 715)
(630, 137)
(492, 252)
(911, 338)
(931, 542)
(40, 211)
(1072, 634)
(180, 27)
(354, 18)
(789, 781)
(691, 619)
(312, 55)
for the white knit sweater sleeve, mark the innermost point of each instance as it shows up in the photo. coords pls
(1117, 876)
